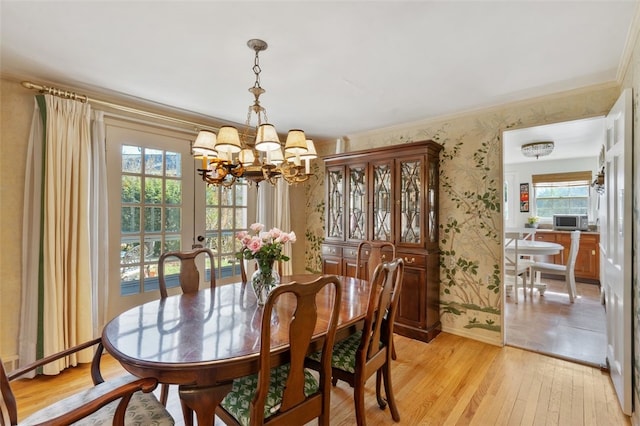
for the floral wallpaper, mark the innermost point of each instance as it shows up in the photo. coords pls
(470, 199)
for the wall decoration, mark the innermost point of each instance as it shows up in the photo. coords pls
(524, 198)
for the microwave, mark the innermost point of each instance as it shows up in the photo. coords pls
(570, 222)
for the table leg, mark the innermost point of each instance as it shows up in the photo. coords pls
(202, 400)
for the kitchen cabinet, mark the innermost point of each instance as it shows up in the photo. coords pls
(587, 267)
(389, 194)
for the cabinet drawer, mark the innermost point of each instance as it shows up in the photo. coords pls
(413, 260)
(350, 252)
(328, 250)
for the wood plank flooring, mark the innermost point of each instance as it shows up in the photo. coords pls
(550, 324)
(450, 381)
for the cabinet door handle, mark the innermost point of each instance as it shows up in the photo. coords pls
(406, 260)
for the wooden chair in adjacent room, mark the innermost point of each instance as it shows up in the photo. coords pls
(567, 270)
(515, 267)
(366, 352)
(288, 394)
(188, 278)
(120, 401)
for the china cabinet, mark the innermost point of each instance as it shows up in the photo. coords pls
(389, 194)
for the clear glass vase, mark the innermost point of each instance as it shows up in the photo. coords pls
(263, 280)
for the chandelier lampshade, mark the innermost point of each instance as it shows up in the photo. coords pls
(267, 138)
(228, 140)
(228, 156)
(537, 149)
(204, 146)
(296, 142)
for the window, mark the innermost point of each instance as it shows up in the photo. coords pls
(227, 212)
(158, 203)
(561, 193)
(151, 208)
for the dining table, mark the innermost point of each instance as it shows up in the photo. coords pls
(204, 340)
(534, 248)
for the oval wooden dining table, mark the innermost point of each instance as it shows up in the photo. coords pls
(202, 341)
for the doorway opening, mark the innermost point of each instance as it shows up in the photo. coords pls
(549, 323)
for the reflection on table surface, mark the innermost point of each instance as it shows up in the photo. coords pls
(210, 327)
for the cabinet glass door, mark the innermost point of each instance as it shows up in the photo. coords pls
(382, 201)
(357, 203)
(410, 201)
(432, 201)
(335, 202)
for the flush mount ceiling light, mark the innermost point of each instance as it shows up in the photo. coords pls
(228, 156)
(537, 149)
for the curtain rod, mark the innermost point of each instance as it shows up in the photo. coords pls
(84, 98)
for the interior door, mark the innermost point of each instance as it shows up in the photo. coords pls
(616, 245)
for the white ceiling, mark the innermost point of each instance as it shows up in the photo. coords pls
(572, 139)
(332, 68)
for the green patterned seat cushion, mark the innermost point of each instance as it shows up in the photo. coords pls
(143, 409)
(344, 353)
(244, 389)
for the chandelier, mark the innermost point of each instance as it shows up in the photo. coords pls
(227, 157)
(537, 149)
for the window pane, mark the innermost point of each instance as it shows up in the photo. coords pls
(130, 189)
(131, 159)
(153, 190)
(174, 165)
(153, 162)
(173, 219)
(153, 219)
(130, 219)
(173, 193)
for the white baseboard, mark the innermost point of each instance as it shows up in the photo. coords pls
(10, 362)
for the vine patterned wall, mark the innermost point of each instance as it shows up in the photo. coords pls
(470, 199)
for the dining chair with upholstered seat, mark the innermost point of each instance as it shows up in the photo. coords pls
(369, 255)
(515, 266)
(368, 351)
(288, 394)
(567, 270)
(125, 400)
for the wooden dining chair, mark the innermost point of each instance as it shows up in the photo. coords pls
(125, 400)
(189, 280)
(366, 352)
(369, 255)
(288, 394)
(567, 270)
(189, 276)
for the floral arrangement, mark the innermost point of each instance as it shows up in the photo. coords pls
(533, 219)
(264, 246)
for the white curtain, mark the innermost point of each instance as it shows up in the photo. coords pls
(57, 227)
(274, 211)
(99, 223)
(282, 219)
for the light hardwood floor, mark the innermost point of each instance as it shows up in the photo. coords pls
(450, 381)
(552, 325)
